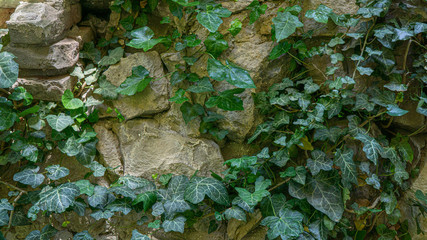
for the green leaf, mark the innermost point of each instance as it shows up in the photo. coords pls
(231, 73)
(402, 145)
(285, 25)
(48, 232)
(133, 182)
(29, 177)
(106, 89)
(260, 192)
(203, 85)
(236, 213)
(337, 57)
(385, 233)
(83, 235)
(123, 205)
(113, 57)
(58, 199)
(322, 192)
(215, 44)
(19, 94)
(389, 201)
(59, 122)
(371, 147)
(87, 153)
(335, 41)
(97, 168)
(242, 163)
(99, 197)
(124, 191)
(175, 202)
(271, 206)
(211, 18)
(179, 97)
(200, 186)
(190, 112)
(137, 82)
(85, 187)
(8, 70)
(90, 52)
(319, 161)
(226, 100)
(34, 235)
(332, 134)
(138, 236)
(344, 160)
(56, 172)
(186, 3)
(373, 181)
(395, 111)
(102, 214)
(165, 178)
(7, 117)
(365, 71)
(175, 225)
(235, 27)
(321, 14)
(148, 198)
(256, 11)
(279, 50)
(142, 38)
(287, 225)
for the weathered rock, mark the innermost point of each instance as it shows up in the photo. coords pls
(15, 3)
(81, 34)
(5, 14)
(237, 229)
(147, 150)
(339, 6)
(108, 147)
(49, 88)
(236, 6)
(154, 98)
(55, 59)
(36, 23)
(63, 235)
(258, 233)
(171, 59)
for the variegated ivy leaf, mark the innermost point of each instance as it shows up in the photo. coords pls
(85, 187)
(138, 236)
(211, 18)
(344, 160)
(100, 197)
(34, 235)
(4, 218)
(5, 205)
(285, 25)
(319, 161)
(175, 225)
(123, 205)
(124, 191)
(321, 14)
(365, 70)
(133, 182)
(242, 204)
(84, 235)
(59, 122)
(259, 193)
(300, 175)
(148, 198)
(58, 199)
(56, 172)
(374, 181)
(158, 209)
(287, 225)
(29, 176)
(322, 192)
(332, 134)
(48, 232)
(271, 205)
(371, 147)
(97, 168)
(102, 214)
(236, 213)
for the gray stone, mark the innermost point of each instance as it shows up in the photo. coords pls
(237, 229)
(154, 98)
(234, 6)
(57, 58)
(108, 147)
(36, 23)
(15, 3)
(81, 34)
(148, 149)
(63, 235)
(172, 58)
(49, 88)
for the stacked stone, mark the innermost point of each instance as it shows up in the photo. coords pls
(38, 40)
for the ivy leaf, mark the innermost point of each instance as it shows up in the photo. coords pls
(158, 209)
(106, 89)
(260, 192)
(385, 233)
(97, 168)
(179, 97)
(124, 191)
(242, 163)
(279, 50)
(8, 117)
(272, 205)
(175, 202)
(287, 225)
(59, 122)
(19, 94)
(322, 192)
(56, 172)
(400, 172)
(395, 110)
(58, 199)
(34, 235)
(226, 100)
(29, 177)
(69, 101)
(133, 182)
(87, 153)
(83, 235)
(371, 147)
(142, 38)
(175, 225)
(215, 44)
(48, 232)
(138, 236)
(233, 74)
(148, 198)
(336, 41)
(236, 213)
(256, 11)
(85, 187)
(300, 175)
(235, 27)
(99, 197)
(285, 25)
(203, 85)
(123, 205)
(332, 134)
(90, 52)
(8, 70)
(201, 186)
(211, 18)
(190, 112)
(365, 71)
(102, 214)
(137, 82)
(5, 205)
(373, 181)
(186, 3)
(113, 57)
(344, 160)
(319, 161)
(320, 15)
(337, 57)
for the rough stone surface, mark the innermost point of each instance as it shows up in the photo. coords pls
(63, 235)
(36, 23)
(108, 147)
(81, 34)
(147, 150)
(48, 89)
(154, 98)
(57, 58)
(5, 15)
(237, 229)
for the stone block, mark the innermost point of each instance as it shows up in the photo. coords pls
(154, 98)
(81, 34)
(48, 89)
(15, 3)
(58, 58)
(5, 15)
(36, 23)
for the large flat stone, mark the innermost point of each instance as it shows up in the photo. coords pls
(60, 57)
(147, 149)
(154, 98)
(48, 89)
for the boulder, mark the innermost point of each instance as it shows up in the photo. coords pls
(47, 88)
(148, 149)
(56, 59)
(36, 23)
(5, 14)
(154, 98)
(81, 34)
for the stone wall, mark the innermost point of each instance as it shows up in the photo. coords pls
(154, 138)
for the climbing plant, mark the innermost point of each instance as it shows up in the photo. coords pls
(323, 139)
